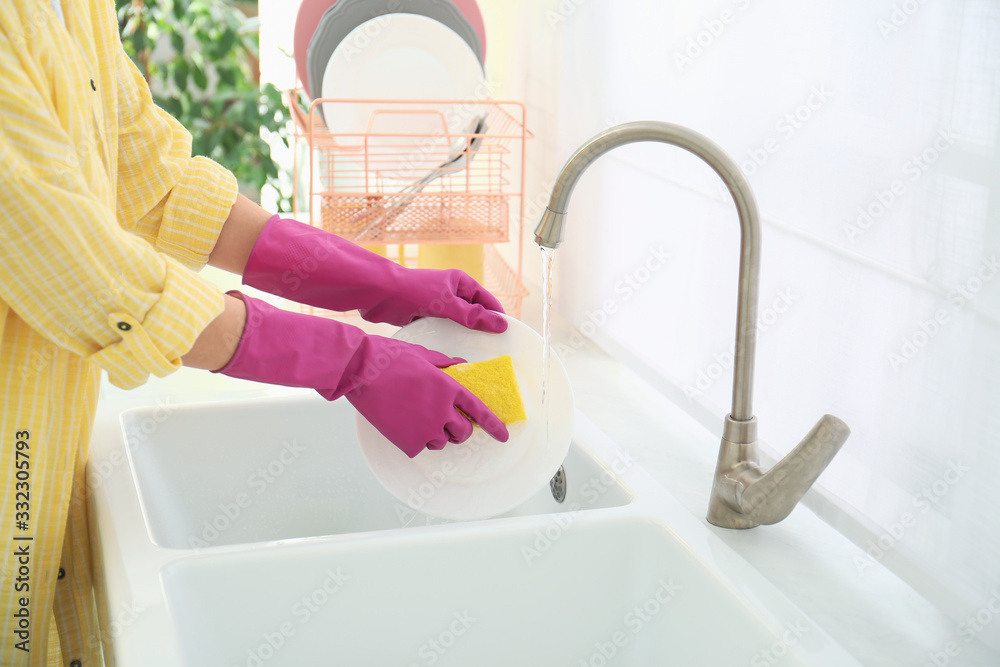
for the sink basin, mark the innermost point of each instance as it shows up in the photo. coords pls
(591, 592)
(279, 468)
(251, 533)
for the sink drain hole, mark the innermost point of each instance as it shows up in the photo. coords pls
(558, 485)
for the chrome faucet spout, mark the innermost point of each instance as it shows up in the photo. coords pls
(742, 495)
(550, 232)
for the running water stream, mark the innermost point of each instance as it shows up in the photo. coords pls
(547, 255)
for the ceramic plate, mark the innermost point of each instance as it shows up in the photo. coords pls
(346, 15)
(403, 57)
(310, 13)
(470, 10)
(481, 477)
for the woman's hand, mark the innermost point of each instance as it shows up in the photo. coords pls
(397, 386)
(311, 266)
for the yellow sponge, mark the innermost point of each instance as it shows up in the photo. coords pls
(494, 382)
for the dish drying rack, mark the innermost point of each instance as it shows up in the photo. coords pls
(383, 187)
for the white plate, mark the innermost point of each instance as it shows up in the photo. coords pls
(481, 477)
(403, 57)
(340, 17)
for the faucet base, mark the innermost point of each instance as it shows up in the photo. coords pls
(744, 496)
(722, 516)
(736, 465)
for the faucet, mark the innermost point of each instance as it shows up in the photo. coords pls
(743, 494)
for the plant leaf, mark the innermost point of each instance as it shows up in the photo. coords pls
(181, 75)
(199, 76)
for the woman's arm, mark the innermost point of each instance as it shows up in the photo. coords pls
(217, 343)
(239, 233)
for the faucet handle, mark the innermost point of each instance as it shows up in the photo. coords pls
(744, 496)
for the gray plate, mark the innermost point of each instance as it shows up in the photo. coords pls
(346, 15)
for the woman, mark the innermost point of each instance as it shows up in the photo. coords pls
(104, 220)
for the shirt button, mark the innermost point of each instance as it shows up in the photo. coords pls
(124, 326)
(62, 573)
(76, 663)
(93, 86)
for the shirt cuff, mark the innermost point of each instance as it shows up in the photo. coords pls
(195, 211)
(154, 342)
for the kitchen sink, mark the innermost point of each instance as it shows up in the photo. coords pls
(251, 533)
(570, 593)
(280, 468)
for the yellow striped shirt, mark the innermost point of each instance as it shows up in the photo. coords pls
(104, 219)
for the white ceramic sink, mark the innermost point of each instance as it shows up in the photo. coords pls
(624, 588)
(271, 469)
(317, 565)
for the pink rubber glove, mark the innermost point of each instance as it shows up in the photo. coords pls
(395, 385)
(311, 266)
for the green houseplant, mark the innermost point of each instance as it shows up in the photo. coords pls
(201, 65)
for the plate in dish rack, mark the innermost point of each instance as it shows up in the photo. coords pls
(401, 58)
(338, 18)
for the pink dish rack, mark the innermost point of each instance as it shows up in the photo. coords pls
(358, 181)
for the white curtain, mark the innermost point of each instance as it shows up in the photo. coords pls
(869, 132)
